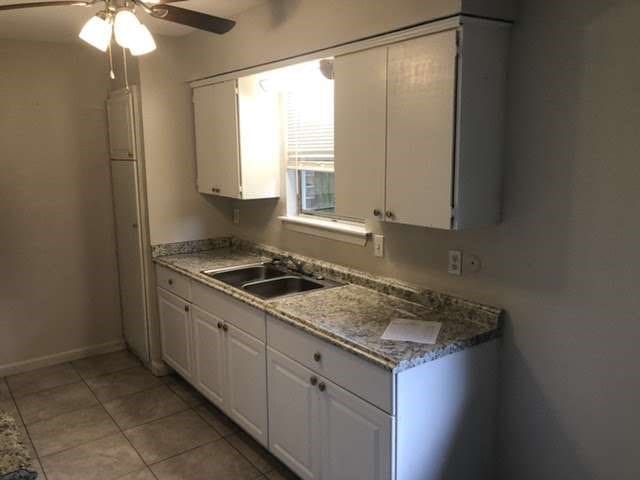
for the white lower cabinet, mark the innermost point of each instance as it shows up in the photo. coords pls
(175, 328)
(230, 371)
(209, 346)
(293, 415)
(321, 430)
(247, 382)
(356, 437)
(326, 413)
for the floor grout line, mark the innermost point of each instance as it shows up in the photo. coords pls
(185, 451)
(123, 435)
(204, 405)
(26, 430)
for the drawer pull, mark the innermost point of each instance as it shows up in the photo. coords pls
(225, 328)
(170, 282)
(186, 308)
(219, 325)
(313, 380)
(317, 357)
(322, 387)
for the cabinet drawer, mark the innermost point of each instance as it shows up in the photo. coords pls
(224, 307)
(355, 374)
(173, 282)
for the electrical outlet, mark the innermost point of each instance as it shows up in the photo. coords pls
(236, 216)
(378, 245)
(455, 262)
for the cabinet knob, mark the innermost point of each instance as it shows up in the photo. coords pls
(225, 327)
(186, 308)
(376, 212)
(134, 226)
(219, 325)
(170, 282)
(322, 387)
(317, 357)
(389, 214)
(313, 380)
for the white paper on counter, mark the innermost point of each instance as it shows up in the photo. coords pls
(419, 331)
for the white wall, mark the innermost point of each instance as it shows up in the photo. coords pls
(58, 281)
(564, 263)
(177, 212)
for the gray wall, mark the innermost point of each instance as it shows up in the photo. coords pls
(564, 262)
(58, 282)
(177, 212)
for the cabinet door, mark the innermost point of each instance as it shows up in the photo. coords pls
(121, 133)
(175, 328)
(356, 437)
(247, 382)
(217, 151)
(208, 341)
(360, 132)
(420, 130)
(293, 415)
(130, 264)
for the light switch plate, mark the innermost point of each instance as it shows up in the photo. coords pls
(378, 245)
(455, 262)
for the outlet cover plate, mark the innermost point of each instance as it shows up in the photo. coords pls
(455, 262)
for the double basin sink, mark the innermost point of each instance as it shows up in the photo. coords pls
(267, 280)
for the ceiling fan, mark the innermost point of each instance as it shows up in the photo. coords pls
(118, 19)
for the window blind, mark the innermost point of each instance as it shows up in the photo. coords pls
(309, 126)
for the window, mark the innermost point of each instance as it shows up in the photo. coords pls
(308, 107)
(306, 104)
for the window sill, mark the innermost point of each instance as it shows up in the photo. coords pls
(339, 231)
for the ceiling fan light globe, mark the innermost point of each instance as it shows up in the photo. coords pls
(144, 42)
(126, 28)
(97, 33)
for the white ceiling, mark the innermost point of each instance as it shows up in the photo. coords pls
(62, 24)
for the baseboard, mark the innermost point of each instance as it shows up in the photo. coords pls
(159, 368)
(62, 357)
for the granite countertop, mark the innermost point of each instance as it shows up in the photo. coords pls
(352, 316)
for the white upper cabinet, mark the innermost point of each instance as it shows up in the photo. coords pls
(421, 86)
(237, 139)
(419, 128)
(360, 132)
(121, 127)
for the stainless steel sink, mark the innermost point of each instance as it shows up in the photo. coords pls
(238, 276)
(278, 287)
(266, 280)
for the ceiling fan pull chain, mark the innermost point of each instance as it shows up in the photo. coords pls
(126, 72)
(111, 74)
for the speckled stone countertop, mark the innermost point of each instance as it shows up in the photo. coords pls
(352, 316)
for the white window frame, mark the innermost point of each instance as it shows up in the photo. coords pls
(325, 225)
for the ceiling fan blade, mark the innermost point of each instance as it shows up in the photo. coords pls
(19, 6)
(191, 18)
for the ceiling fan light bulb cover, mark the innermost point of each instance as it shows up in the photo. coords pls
(144, 42)
(97, 33)
(126, 28)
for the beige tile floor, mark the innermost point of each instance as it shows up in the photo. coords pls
(108, 418)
